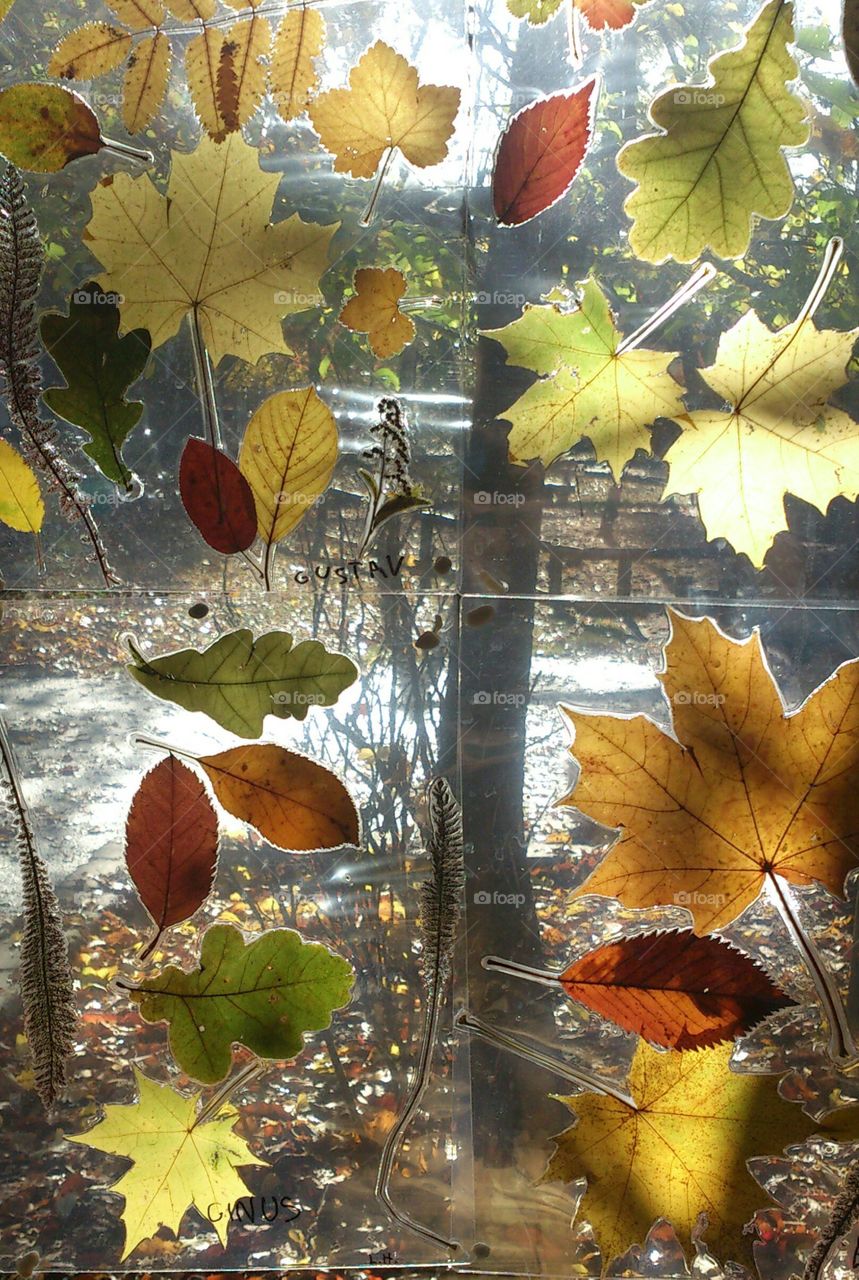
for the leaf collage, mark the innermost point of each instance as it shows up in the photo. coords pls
(268, 369)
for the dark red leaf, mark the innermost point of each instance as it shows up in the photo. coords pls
(217, 497)
(171, 844)
(674, 988)
(541, 152)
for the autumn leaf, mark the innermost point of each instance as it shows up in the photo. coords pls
(677, 990)
(384, 108)
(589, 388)
(43, 127)
(99, 367)
(738, 792)
(177, 1163)
(90, 51)
(217, 497)
(171, 845)
(294, 802)
(21, 505)
(375, 310)
(778, 436)
(293, 81)
(287, 456)
(207, 248)
(97, 48)
(540, 153)
(146, 79)
(717, 159)
(238, 681)
(600, 15)
(680, 1150)
(248, 46)
(264, 994)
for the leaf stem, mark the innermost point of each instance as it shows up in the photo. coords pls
(842, 1046)
(465, 1021)
(250, 1071)
(574, 36)
(370, 212)
(125, 151)
(144, 741)
(497, 964)
(150, 946)
(205, 385)
(703, 275)
(831, 258)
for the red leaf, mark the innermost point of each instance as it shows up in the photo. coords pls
(217, 497)
(615, 14)
(674, 988)
(540, 153)
(171, 844)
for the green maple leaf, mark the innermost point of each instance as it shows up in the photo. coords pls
(264, 995)
(238, 681)
(718, 159)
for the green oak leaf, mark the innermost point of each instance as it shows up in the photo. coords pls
(264, 994)
(98, 367)
(238, 681)
(718, 160)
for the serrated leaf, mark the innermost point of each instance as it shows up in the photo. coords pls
(293, 80)
(191, 10)
(718, 159)
(217, 497)
(588, 389)
(677, 990)
(99, 367)
(43, 127)
(375, 310)
(249, 43)
(681, 1150)
(146, 80)
(779, 436)
(90, 51)
(21, 505)
(171, 844)
(264, 994)
(384, 107)
(600, 15)
(138, 14)
(204, 68)
(540, 153)
(177, 1164)
(740, 791)
(207, 246)
(294, 802)
(238, 681)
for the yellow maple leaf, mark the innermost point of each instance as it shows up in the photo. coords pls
(384, 108)
(779, 435)
(177, 1163)
(680, 1150)
(742, 792)
(207, 248)
(375, 310)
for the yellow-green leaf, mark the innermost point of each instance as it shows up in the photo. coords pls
(43, 127)
(177, 1163)
(21, 505)
(718, 159)
(90, 51)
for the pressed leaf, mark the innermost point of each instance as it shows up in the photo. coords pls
(177, 1163)
(293, 80)
(677, 990)
(384, 107)
(249, 43)
(138, 14)
(295, 803)
(681, 1150)
(99, 367)
(375, 310)
(540, 153)
(21, 505)
(208, 246)
(189, 10)
(779, 435)
(718, 158)
(741, 790)
(600, 15)
(145, 82)
(589, 389)
(238, 681)
(287, 457)
(43, 127)
(171, 844)
(90, 51)
(264, 994)
(217, 497)
(204, 69)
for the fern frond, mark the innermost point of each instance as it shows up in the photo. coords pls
(21, 262)
(844, 1214)
(45, 975)
(442, 893)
